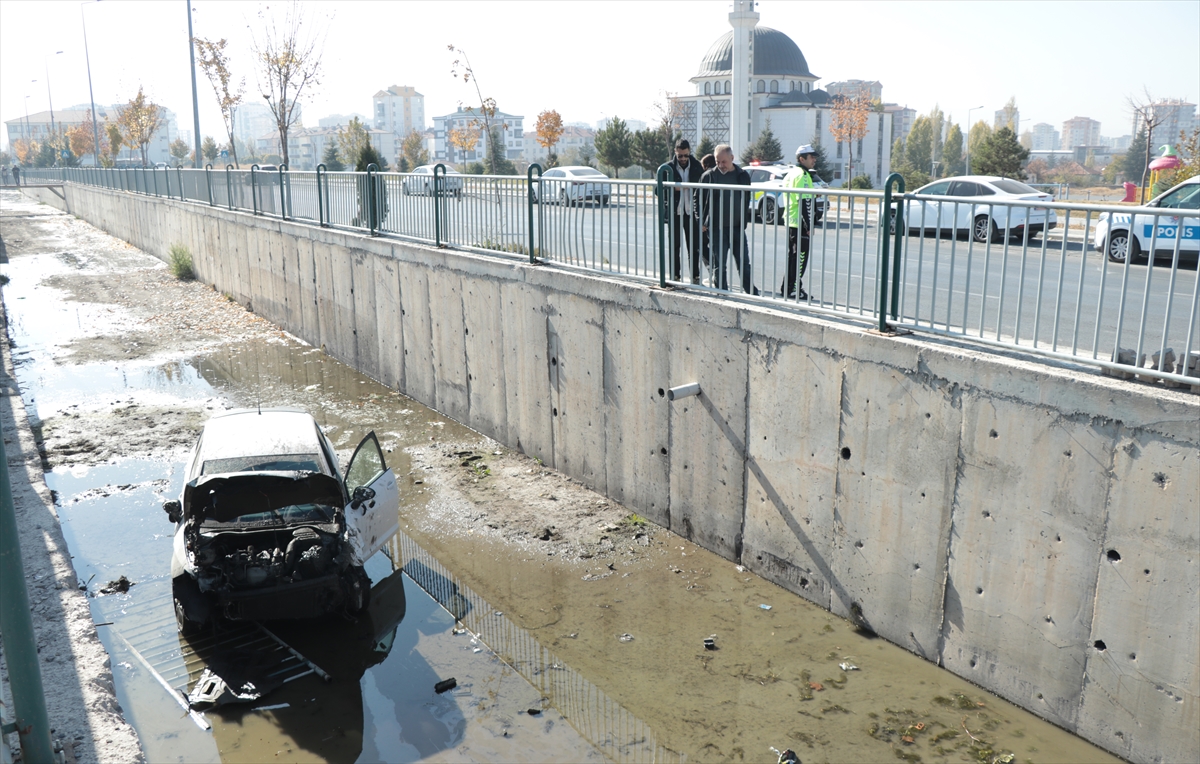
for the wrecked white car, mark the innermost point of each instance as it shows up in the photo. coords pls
(267, 528)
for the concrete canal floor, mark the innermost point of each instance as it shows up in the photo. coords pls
(533, 592)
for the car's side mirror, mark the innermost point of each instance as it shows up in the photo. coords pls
(173, 509)
(360, 495)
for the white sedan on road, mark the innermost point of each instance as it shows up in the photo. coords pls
(1117, 238)
(573, 185)
(978, 204)
(421, 182)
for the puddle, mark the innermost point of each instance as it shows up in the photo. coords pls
(550, 633)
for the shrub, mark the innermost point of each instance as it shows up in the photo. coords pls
(180, 262)
(861, 181)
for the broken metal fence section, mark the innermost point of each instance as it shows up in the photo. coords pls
(949, 270)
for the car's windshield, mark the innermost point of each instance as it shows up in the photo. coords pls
(588, 172)
(271, 463)
(1013, 187)
(1186, 198)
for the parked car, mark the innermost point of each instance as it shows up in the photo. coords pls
(573, 185)
(267, 528)
(1117, 236)
(770, 204)
(978, 204)
(420, 182)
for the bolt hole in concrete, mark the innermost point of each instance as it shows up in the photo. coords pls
(858, 544)
(993, 434)
(1161, 480)
(1133, 656)
(979, 590)
(845, 453)
(1114, 555)
(554, 362)
(382, 707)
(1099, 645)
(662, 393)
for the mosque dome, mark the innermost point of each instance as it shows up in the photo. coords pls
(774, 54)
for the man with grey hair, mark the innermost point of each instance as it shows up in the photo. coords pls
(724, 213)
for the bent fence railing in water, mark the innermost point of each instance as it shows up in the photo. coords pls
(1069, 281)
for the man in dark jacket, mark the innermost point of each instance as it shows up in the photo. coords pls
(685, 211)
(724, 214)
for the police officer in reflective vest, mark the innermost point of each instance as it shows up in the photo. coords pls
(800, 221)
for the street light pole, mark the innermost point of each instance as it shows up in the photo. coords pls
(973, 108)
(48, 96)
(91, 94)
(195, 95)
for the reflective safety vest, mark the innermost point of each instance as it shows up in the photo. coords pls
(796, 178)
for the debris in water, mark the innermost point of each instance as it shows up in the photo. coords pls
(817, 686)
(740, 568)
(710, 643)
(211, 690)
(786, 756)
(534, 711)
(120, 586)
(846, 666)
(445, 684)
(625, 638)
(765, 607)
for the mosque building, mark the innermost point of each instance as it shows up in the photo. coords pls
(775, 85)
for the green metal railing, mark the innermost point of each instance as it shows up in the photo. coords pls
(16, 627)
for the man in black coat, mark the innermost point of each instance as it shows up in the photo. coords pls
(685, 211)
(724, 215)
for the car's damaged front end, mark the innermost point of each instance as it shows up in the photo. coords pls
(266, 545)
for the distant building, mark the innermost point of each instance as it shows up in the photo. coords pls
(573, 139)
(510, 126)
(872, 89)
(1173, 115)
(1044, 137)
(1004, 118)
(252, 120)
(306, 146)
(399, 109)
(1080, 131)
(902, 120)
(633, 125)
(341, 120)
(37, 127)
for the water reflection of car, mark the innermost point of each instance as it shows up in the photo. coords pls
(267, 528)
(1117, 238)
(573, 185)
(420, 182)
(978, 205)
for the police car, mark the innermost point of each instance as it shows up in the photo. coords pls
(1117, 236)
(768, 201)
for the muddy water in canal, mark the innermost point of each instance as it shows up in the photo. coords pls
(574, 631)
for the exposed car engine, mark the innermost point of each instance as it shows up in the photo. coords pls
(241, 560)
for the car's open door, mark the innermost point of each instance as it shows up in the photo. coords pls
(373, 514)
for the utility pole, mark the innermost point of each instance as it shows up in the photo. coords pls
(91, 94)
(195, 95)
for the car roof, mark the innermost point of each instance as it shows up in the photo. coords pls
(574, 167)
(251, 432)
(449, 170)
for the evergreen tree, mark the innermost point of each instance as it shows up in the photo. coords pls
(1001, 154)
(1137, 157)
(330, 158)
(209, 149)
(952, 152)
(822, 169)
(705, 148)
(614, 145)
(976, 137)
(918, 148)
(765, 149)
(653, 147)
(497, 155)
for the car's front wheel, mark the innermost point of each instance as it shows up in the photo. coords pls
(358, 595)
(1120, 245)
(770, 212)
(983, 229)
(192, 612)
(563, 198)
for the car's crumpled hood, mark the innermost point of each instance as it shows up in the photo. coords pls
(224, 498)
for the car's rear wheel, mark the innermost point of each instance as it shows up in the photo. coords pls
(1120, 245)
(770, 212)
(983, 229)
(564, 198)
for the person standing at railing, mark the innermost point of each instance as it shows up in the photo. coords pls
(685, 211)
(799, 220)
(17, 174)
(6, 175)
(724, 214)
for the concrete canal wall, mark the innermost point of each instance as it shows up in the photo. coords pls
(1034, 530)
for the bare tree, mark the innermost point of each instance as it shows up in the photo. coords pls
(487, 106)
(289, 63)
(139, 120)
(1144, 110)
(215, 64)
(848, 123)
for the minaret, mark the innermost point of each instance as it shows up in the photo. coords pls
(743, 19)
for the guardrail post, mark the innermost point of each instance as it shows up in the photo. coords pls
(179, 175)
(254, 187)
(664, 172)
(208, 183)
(321, 171)
(229, 186)
(283, 205)
(20, 645)
(532, 199)
(888, 222)
(439, 175)
(372, 169)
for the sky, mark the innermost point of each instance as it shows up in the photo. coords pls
(591, 60)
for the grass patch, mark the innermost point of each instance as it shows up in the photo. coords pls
(179, 260)
(637, 521)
